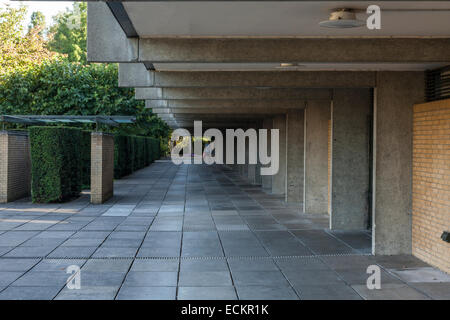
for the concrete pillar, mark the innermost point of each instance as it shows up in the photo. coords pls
(279, 179)
(266, 181)
(102, 167)
(351, 113)
(395, 94)
(15, 165)
(317, 115)
(251, 173)
(295, 146)
(245, 165)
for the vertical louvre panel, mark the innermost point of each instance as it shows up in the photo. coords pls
(438, 84)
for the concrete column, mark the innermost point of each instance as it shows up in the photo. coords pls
(245, 165)
(295, 146)
(317, 115)
(15, 165)
(266, 181)
(102, 167)
(279, 179)
(395, 94)
(351, 113)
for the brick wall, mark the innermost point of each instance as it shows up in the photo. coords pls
(102, 167)
(431, 183)
(15, 166)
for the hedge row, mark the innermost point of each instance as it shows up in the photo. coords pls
(86, 159)
(56, 173)
(61, 160)
(132, 153)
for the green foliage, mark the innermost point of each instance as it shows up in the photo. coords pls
(85, 159)
(18, 51)
(132, 153)
(61, 87)
(37, 22)
(69, 31)
(56, 166)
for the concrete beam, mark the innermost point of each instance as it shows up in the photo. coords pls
(232, 93)
(249, 111)
(136, 75)
(223, 105)
(319, 50)
(106, 41)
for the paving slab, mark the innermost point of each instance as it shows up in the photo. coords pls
(147, 293)
(207, 293)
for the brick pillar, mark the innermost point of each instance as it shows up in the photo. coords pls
(15, 165)
(102, 167)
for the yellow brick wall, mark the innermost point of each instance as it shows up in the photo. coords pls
(431, 183)
(15, 166)
(102, 167)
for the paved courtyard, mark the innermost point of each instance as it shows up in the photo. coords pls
(194, 232)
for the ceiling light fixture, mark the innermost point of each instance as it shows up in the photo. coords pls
(342, 18)
(289, 65)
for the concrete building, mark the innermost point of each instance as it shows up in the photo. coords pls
(363, 116)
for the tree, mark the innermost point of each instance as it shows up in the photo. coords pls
(19, 51)
(37, 22)
(68, 34)
(60, 87)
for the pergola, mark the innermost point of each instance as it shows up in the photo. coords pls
(45, 119)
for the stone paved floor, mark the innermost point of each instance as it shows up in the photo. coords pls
(194, 232)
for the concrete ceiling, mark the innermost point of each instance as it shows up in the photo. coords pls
(284, 18)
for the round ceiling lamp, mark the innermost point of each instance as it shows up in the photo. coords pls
(342, 18)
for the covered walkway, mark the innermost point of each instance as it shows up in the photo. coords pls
(195, 232)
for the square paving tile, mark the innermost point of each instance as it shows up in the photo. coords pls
(204, 265)
(170, 265)
(147, 293)
(390, 292)
(57, 265)
(42, 279)
(259, 278)
(266, 293)
(312, 277)
(252, 265)
(114, 252)
(107, 265)
(7, 277)
(207, 293)
(327, 292)
(151, 279)
(204, 278)
(72, 252)
(17, 264)
(88, 293)
(29, 293)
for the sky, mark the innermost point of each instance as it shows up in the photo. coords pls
(48, 8)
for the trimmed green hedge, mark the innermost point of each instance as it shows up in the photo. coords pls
(56, 163)
(132, 153)
(86, 159)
